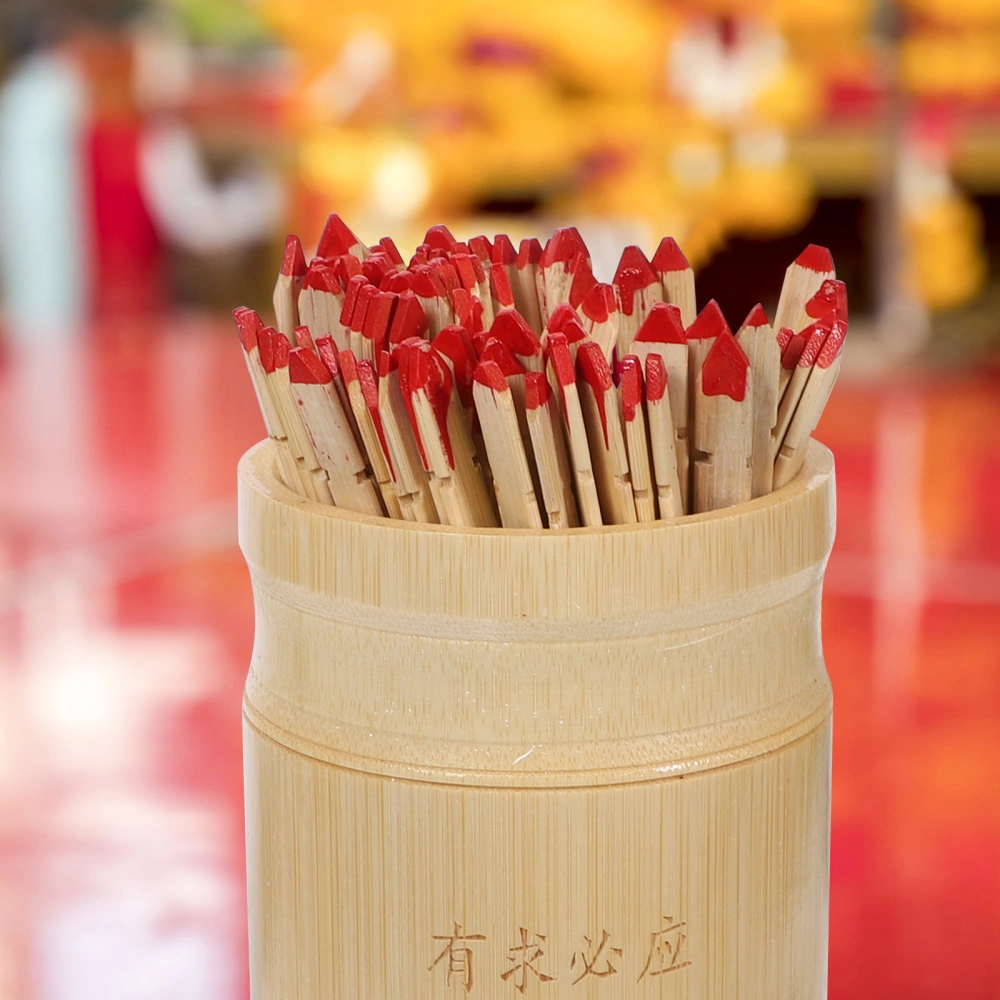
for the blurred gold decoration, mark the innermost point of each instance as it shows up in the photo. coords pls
(629, 110)
(574, 106)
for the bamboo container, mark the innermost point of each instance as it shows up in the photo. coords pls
(585, 763)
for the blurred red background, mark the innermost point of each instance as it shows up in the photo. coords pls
(151, 159)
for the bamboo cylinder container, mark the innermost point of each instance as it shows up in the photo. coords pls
(490, 763)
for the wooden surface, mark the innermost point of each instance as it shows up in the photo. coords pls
(495, 746)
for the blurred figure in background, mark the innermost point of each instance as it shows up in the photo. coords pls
(106, 185)
(42, 197)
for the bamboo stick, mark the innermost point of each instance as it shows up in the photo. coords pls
(758, 341)
(803, 279)
(562, 374)
(411, 478)
(330, 435)
(549, 448)
(274, 359)
(602, 415)
(723, 438)
(288, 286)
(822, 378)
(436, 416)
(677, 278)
(638, 288)
(637, 439)
(601, 318)
(662, 334)
(362, 394)
(498, 418)
(670, 482)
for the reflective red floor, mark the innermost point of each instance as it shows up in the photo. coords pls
(126, 625)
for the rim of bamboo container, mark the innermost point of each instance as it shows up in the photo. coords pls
(260, 472)
(751, 554)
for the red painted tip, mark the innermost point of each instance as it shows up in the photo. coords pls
(594, 367)
(488, 373)
(815, 258)
(429, 373)
(348, 366)
(662, 326)
(420, 256)
(366, 295)
(756, 318)
(281, 349)
(633, 275)
(561, 360)
(833, 345)
(345, 267)
(669, 257)
(503, 250)
(793, 351)
(376, 266)
(396, 281)
(378, 320)
(530, 252)
(783, 337)
(327, 351)
(293, 262)
(390, 250)
(385, 364)
(265, 344)
(583, 280)
(565, 320)
(466, 265)
(537, 391)
(510, 327)
(447, 274)
(725, 370)
(425, 282)
(631, 387)
(305, 368)
(599, 303)
(500, 286)
(468, 310)
(322, 277)
(708, 323)
(303, 338)
(501, 355)
(409, 319)
(351, 293)
(831, 297)
(595, 371)
(439, 237)
(248, 325)
(336, 238)
(815, 335)
(482, 248)
(656, 378)
(455, 344)
(563, 246)
(369, 392)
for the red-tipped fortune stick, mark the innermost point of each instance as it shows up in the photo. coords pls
(549, 447)
(676, 277)
(723, 432)
(760, 344)
(637, 439)
(602, 415)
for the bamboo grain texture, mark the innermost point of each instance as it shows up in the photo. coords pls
(499, 763)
